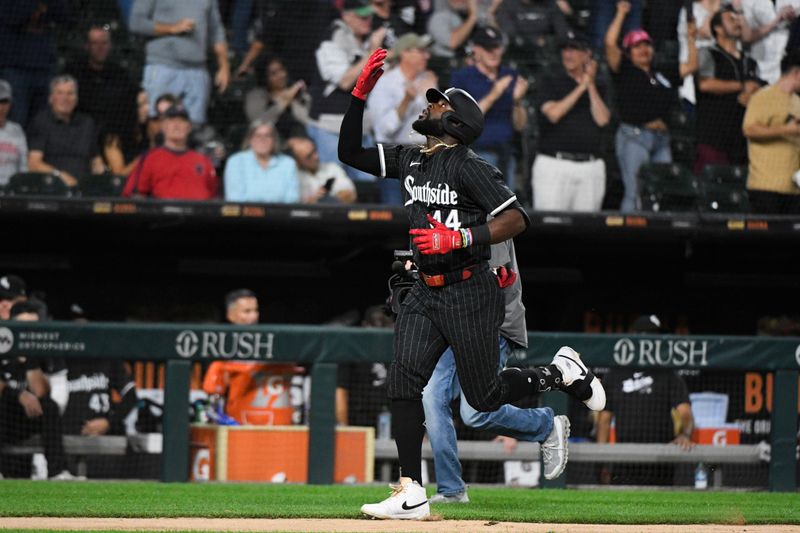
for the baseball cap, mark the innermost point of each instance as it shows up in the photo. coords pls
(11, 287)
(574, 39)
(409, 41)
(176, 111)
(5, 90)
(362, 8)
(647, 324)
(486, 37)
(465, 108)
(634, 37)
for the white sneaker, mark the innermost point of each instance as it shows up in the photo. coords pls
(66, 475)
(578, 380)
(459, 497)
(555, 449)
(407, 502)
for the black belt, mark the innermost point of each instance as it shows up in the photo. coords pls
(571, 156)
(448, 278)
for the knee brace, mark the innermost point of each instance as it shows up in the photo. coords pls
(528, 381)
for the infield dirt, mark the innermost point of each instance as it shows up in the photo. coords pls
(362, 526)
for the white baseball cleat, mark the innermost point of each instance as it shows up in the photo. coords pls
(555, 448)
(407, 502)
(578, 380)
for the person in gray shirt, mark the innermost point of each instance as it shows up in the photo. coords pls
(176, 55)
(13, 145)
(535, 425)
(451, 25)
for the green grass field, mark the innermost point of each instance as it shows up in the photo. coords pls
(146, 499)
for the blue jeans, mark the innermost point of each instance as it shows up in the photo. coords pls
(31, 88)
(635, 147)
(125, 7)
(532, 425)
(603, 12)
(240, 25)
(328, 150)
(191, 85)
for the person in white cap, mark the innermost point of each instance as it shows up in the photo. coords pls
(13, 145)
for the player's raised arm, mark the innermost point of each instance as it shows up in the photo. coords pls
(350, 150)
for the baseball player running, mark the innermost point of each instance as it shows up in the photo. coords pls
(449, 194)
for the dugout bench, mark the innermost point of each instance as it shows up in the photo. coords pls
(81, 446)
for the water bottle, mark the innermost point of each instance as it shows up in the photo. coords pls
(385, 424)
(701, 477)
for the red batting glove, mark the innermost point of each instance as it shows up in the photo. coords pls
(439, 240)
(369, 74)
(506, 277)
(435, 223)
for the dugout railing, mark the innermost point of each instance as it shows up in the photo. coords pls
(324, 347)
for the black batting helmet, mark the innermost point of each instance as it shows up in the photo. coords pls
(465, 121)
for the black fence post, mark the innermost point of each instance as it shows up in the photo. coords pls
(175, 455)
(783, 460)
(322, 424)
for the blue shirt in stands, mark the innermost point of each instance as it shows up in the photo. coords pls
(247, 181)
(498, 129)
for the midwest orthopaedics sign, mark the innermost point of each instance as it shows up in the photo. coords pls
(224, 344)
(660, 352)
(40, 341)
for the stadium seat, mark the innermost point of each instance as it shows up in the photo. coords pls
(724, 198)
(35, 183)
(681, 123)
(724, 189)
(725, 174)
(683, 149)
(101, 185)
(668, 187)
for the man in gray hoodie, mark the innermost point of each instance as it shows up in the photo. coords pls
(180, 34)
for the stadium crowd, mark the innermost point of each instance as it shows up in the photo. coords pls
(576, 94)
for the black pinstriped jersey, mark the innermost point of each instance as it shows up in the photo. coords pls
(455, 186)
(14, 372)
(91, 383)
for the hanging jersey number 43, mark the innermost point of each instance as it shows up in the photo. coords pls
(99, 402)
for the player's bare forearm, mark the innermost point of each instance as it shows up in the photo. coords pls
(506, 225)
(37, 383)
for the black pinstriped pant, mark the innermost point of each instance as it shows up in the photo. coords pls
(466, 315)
